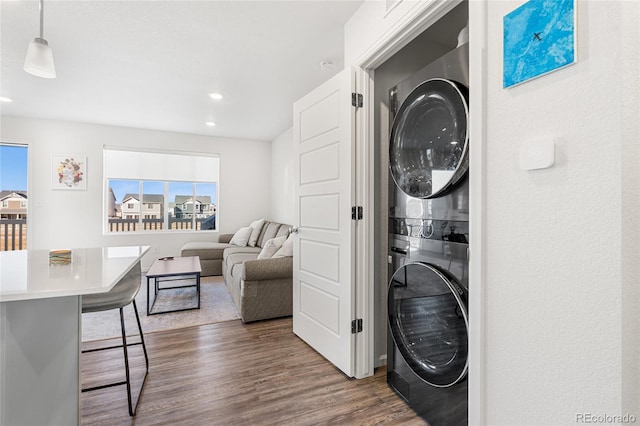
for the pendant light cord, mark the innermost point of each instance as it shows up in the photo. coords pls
(41, 18)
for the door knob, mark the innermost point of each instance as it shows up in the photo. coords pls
(293, 230)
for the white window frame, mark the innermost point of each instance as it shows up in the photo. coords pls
(5, 204)
(145, 173)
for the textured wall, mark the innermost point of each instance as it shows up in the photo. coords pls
(556, 239)
(629, 75)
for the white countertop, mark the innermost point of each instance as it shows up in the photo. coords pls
(26, 274)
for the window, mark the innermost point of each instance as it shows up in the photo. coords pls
(13, 196)
(193, 205)
(160, 191)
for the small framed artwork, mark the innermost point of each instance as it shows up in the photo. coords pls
(539, 37)
(69, 172)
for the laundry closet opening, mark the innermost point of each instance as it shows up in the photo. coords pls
(421, 111)
(435, 41)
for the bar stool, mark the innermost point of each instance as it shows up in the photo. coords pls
(121, 295)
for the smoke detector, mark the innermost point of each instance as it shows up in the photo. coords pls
(328, 65)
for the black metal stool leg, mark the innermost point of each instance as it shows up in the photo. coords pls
(126, 362)
(144, 347)
(125, 345)
(133, 408)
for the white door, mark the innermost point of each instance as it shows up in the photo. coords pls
(323, 271)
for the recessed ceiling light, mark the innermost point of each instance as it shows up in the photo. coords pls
(210, 123)
(4, 99)
(216, 96)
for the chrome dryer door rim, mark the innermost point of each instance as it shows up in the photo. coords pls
(429, 323)
(428, 146)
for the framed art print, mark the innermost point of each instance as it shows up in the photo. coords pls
(539, 37)
(69, 172)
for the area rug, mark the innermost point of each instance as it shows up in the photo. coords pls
(216, 305)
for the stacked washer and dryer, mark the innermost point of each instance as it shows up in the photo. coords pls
(428, 322)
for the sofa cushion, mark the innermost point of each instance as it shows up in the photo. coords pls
(256, 229)
(237, 258)
(283, 231)
(241, 237)
(204, 249)
(225, 238)
(237, 250)
(269, 231)
(271, 247)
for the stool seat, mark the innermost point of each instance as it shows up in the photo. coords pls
(119, 296)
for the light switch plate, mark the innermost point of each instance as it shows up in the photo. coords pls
(537, 154)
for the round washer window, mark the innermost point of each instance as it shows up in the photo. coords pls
(428, 146)
(429, 323)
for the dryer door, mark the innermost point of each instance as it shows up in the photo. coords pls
(428, 146)
(429, 323)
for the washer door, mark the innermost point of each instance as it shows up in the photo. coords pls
(429, 323)
(428, 146)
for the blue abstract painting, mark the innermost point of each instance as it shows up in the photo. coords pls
(539, 37)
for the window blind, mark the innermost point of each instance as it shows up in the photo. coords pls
(122, 163)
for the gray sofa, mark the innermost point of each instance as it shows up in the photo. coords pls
(260, 288)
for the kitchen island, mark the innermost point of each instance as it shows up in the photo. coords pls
(41, 328)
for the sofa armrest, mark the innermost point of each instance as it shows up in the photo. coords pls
(268, 269)
(225, 238)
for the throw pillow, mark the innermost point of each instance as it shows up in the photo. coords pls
(256, 227)
(287, 248)
(241, 237)
(270, 247)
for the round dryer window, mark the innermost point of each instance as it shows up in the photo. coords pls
(428, 146)
(429, 323)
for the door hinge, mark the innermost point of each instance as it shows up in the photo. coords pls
(356, 213)
(356, 100)
(356, 326)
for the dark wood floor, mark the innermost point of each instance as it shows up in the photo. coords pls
(237, 374)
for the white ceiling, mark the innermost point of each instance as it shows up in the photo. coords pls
(151, 64)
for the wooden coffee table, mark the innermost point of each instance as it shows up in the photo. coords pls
(169, 269)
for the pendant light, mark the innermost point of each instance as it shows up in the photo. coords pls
(39, 60)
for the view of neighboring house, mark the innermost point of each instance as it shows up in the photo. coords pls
(152, 206)
(13, 204)
(184, 207)
(112, 206)
(184, 212)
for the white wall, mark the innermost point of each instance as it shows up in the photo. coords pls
(630, 178)
(560, 250)
(282, 201)
(59, 218)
